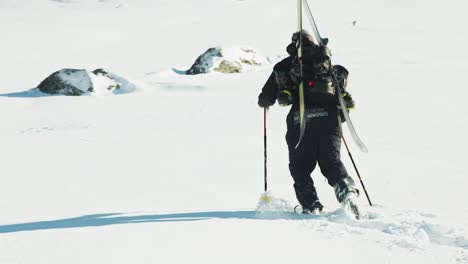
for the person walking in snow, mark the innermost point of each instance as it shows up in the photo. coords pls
(321, 142)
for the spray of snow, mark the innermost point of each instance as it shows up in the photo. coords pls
(271, 207)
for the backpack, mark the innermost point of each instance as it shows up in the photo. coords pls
(316, 75)
(317, 79)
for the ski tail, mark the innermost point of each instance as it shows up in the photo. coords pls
(352, 131)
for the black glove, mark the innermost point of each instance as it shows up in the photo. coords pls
(348, 99)
(264, 101)
(349, 102)
(284, 98)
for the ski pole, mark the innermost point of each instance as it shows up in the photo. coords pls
(264, 198)
(355, 168)
(265, 146)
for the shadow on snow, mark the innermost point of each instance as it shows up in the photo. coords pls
(97, 220)
(435, 234)
(31, 93)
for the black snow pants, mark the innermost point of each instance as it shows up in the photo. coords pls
(321, 144)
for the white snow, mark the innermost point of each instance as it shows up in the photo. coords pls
(111, 83)
(171, 171)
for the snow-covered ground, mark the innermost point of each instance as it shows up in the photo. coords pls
(172, 170)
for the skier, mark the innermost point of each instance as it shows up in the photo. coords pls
(322, 139)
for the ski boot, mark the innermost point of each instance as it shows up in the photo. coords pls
(315, 209)
(348, 199)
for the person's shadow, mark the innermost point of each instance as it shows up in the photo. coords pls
(119, 218)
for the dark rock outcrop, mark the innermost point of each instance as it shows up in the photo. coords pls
(67, 82)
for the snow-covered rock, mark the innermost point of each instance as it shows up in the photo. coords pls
(228, 60)
(77, 82)
(104, 80)
(67, 82)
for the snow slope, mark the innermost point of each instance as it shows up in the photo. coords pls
(171, 172)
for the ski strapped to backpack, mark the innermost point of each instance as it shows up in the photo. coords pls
(302, 117)
(323, 42)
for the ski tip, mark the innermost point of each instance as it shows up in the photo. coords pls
(298, 143)
(364, 149)
(301, 135)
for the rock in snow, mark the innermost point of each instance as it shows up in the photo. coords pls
(67, 82)
(77, 82)
(228, 60)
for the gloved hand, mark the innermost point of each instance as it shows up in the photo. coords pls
(348, 99)
(284, 98)
(264, 101)
(349, 102)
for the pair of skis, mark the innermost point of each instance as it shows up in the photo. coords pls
(321, 42)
